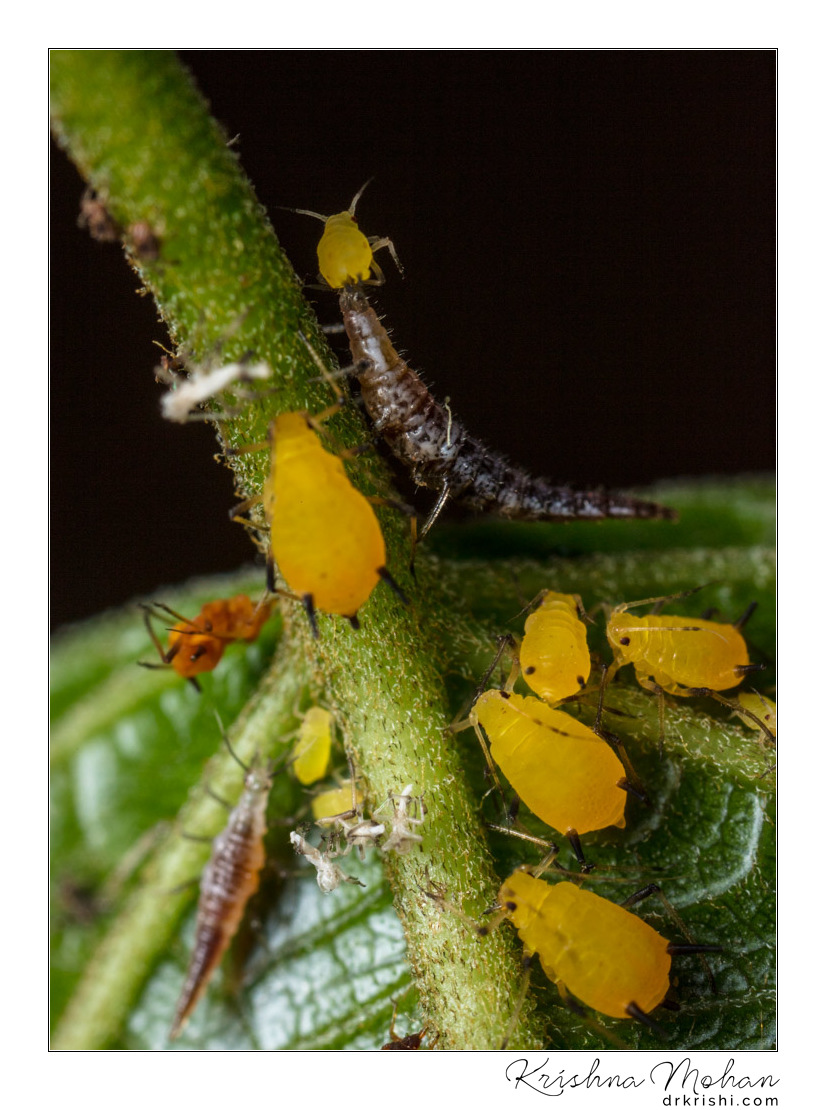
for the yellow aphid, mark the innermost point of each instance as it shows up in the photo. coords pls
(333, 802)
(311, 754)
(554, 654)
(599, 952)
(325, 536)
(346, 256)
(762, 708)
(679, 654)
(560, 768)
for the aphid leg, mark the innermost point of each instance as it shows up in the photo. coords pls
(355, 623)
(655, 688)
(710, 613)
(693, 947)
(632, 784)
(242, 507)
(385, 575)
(436, 894)
(575, 1008)
(147, 614)
(550, 848)
(325, 374)
(378, 244)
(705, 692)
(746, 615)
(309, 608)
(527, 968)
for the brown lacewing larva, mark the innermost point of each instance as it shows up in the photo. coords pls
(443, 456)
(229, 880)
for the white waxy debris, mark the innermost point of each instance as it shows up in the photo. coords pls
(328, 874)
(178, 403)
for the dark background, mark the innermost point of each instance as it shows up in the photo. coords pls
(588, 240)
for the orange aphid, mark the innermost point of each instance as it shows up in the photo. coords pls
(197, 645)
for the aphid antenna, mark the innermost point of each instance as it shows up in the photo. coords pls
(357, 197)
(667, 597)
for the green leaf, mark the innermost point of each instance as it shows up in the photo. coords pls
(133, 749)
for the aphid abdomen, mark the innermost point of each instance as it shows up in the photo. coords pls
(560, 769)
(344, 253)
(326, 538)
(311, 754)
(604, 955)
(439, 451)
(554, 655)
(228, 882)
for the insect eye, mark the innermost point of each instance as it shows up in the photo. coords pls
(510, 906)
(530, 670)
(625, 640)
(504, 694)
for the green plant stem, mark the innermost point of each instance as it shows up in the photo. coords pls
(141, 136)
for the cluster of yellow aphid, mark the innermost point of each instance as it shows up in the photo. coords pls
(576, 782)
(328, 546)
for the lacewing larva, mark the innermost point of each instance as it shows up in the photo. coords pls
(441, 454)
(228, 882)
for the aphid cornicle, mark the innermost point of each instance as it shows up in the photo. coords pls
(554, 654)
(228, 882)
(440, 453)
